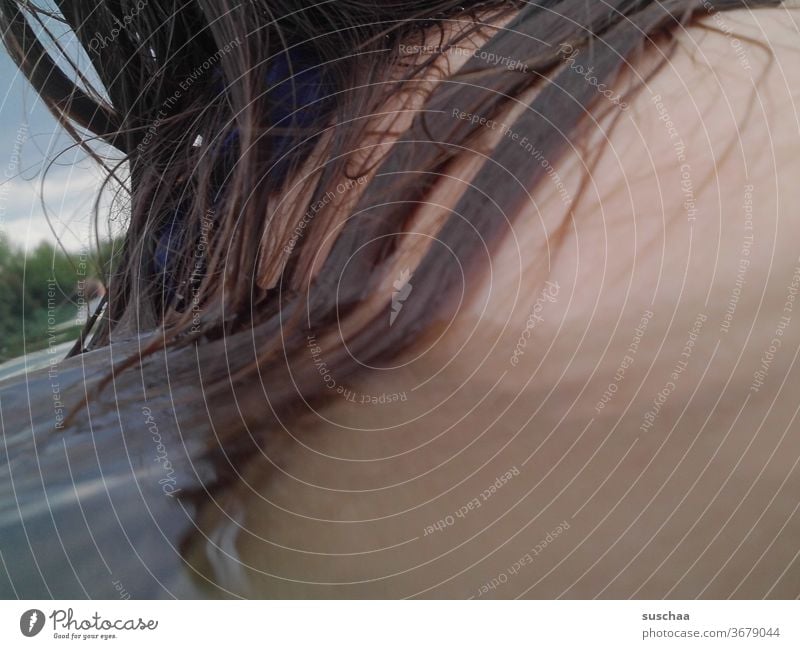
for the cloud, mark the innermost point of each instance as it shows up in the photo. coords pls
(69, 194)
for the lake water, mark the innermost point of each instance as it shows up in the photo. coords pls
(34, 361)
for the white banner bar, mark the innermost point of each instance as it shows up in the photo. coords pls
(388, 624)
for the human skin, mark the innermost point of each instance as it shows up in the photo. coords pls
(698, 498)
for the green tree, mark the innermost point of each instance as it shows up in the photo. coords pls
(38, 297)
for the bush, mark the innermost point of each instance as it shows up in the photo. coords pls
(38, 296)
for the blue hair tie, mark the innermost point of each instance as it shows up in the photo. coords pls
(296, 88)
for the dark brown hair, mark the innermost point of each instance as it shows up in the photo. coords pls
(182, 95)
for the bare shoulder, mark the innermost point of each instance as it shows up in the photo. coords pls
(618, 388)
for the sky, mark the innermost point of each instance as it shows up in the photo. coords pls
(30, 139)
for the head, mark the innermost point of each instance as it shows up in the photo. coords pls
(205, 112)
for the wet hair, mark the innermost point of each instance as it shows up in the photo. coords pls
(214, 105)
